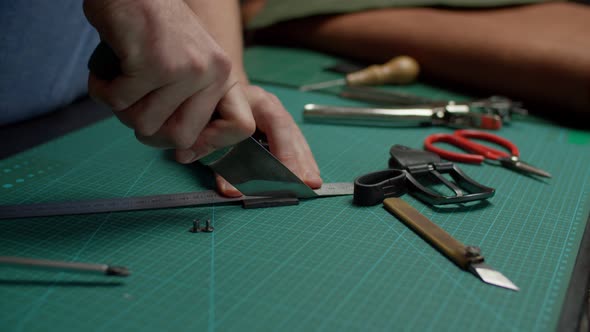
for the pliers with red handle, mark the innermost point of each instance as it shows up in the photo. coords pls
(479, 152)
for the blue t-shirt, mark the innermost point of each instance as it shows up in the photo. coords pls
(44, 49)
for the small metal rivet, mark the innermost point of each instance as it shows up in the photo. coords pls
(472, 251)
(208, 228)
(196, 226)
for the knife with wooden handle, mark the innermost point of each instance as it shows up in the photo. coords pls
(466, 257)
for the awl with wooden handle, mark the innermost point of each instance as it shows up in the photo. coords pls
(399, 70)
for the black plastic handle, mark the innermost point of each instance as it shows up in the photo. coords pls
(104, 63)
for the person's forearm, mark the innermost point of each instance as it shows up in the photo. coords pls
(222, 19)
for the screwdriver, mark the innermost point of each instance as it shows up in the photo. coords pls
(24, 262)
(399, 70)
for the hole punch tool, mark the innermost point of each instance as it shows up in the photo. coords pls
(504, 107)
(447, 114)
(416, 172)
(462, 139)
(494, 106)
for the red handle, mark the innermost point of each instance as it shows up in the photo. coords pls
(454, 140)
(461, 139)
(491, 152)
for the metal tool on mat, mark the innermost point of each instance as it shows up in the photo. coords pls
(399, 70)
(247, 165)
(165, 201)
(466, 257)
(462, 139)
(76, 267)
(450, 115)
(500, 106)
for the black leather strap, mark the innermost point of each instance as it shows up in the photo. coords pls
(373, 188)
(403, 157)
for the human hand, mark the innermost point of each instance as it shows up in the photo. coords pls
(286, 142)
(174, 76)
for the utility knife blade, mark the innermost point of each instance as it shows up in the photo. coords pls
(254, 171)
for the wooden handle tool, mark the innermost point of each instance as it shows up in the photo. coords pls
(399, 70)
(467, 257)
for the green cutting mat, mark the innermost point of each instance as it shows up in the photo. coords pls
(322, 265)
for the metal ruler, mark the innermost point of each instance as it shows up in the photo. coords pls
(166, 201)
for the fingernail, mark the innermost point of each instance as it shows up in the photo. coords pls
(185, 156)
(312, 179)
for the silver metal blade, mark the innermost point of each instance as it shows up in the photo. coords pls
(519, 165)
(254, 171)
(530, 169)
(492, 277)
(323, 85)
